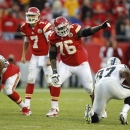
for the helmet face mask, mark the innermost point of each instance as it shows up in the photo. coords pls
(113, 61)
(32, 15)
(61, 26)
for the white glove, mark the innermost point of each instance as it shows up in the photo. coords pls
(55, 77)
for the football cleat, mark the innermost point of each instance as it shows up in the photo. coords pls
(104, 115)
(26, 111)
(52, 113)
(87, 114)
(123, 118)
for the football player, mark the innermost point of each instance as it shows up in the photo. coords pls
(9, 76)
(35, 34)
(66, 40)
(109, 86)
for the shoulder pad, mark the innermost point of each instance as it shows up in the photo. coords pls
(45, 25)
(22, 28)
(75, 28)
(52, 37)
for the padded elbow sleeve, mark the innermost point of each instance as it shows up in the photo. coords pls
(86, 32)
(52, 55)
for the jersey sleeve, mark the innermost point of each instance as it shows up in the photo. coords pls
(74, 28)
(52, 38)
(22, 29)
(45, 25)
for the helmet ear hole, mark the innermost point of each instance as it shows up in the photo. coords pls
(113, 61)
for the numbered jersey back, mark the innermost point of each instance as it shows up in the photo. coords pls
(110, 72)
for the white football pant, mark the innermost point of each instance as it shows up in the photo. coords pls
(36, 64)
(105, 90)
(11, 83)
(82, 71)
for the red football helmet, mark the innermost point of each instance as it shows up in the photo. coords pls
(32, 15)
(61, 26)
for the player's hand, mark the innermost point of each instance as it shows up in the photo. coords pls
(23, 59)
(55, 77)
(105, 24)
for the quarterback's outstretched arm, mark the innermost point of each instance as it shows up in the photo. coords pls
(90, 31)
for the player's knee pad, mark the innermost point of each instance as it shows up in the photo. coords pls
(95, 118)
(48, 78)
(7, 91)
(127, 100)
(31, 79)
(89, 90)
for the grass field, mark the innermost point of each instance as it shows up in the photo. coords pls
(72, 105)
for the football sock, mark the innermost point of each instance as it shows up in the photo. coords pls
(55, 95)
(28, 95)
(54, 104)
(15, 97)
(51, 89)
(126, 108)
(22, 104)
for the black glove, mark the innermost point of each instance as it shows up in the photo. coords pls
(55, 77)
(105, 24)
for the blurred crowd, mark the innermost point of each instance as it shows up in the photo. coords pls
(87, 13)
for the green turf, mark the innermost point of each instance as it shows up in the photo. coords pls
(72, 104)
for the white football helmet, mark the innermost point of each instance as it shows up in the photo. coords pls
(32, 15)
(61, 26)
(113, 61)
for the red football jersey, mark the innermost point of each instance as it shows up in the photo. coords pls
(37, 40)
(70, 48)
(10, 71)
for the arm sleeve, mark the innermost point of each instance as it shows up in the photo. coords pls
(84, 32)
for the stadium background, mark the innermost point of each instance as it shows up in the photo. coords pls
(85, 12)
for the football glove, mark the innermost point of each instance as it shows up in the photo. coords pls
(55, 77)
(105, 24)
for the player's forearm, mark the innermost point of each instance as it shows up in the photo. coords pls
(25, 48)
(53, 64)
(0, 81)
(88, 31)
(95, 29)
(104, 25)
(127, 76)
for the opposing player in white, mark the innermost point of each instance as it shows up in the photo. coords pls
(108, 85)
